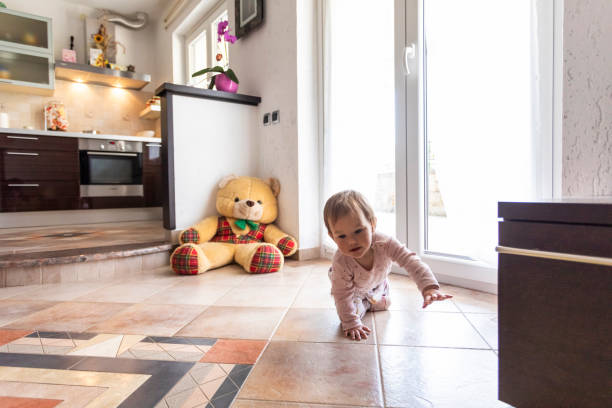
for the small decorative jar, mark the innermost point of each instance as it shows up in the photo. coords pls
(55, 116)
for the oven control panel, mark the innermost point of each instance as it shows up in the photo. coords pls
(106, 145)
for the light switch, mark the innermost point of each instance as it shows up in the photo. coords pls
(266, 119)
(276, 116)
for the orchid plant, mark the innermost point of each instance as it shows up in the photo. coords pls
(223, 32)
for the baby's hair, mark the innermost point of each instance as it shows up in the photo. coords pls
(346, 202)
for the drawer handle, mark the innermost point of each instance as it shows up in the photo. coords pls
(111, 154)
(559, 256)
(22, 137)
(153, 145)
(22, 154)
(24, 185)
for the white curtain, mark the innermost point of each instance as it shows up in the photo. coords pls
(359, 121)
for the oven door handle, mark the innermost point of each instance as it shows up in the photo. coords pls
(111, 154)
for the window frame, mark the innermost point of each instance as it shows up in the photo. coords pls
(204, 27)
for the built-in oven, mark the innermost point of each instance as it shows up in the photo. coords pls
(110, 168)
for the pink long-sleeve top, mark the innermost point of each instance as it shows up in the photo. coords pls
(351, 281)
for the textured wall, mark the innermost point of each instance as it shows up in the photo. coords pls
(587, 98)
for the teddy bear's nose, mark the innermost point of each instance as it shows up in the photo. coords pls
(250, 203)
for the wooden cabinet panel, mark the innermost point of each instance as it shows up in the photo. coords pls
(22, 165)
(554, 314)
(554, 333)
(39, 195)
(36, 143)
(591, 240)
(152, 175)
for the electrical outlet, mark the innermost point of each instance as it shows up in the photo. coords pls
(266, 119)
(276, 116)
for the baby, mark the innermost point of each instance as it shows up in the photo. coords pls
(364, 258)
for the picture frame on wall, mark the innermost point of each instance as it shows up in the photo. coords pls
(249, 15)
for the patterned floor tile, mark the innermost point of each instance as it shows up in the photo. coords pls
(8, 336)
(234, 351)
(72, 396)
(18, 402)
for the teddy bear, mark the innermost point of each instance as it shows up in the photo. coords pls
(242, 233)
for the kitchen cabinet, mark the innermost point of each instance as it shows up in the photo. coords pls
(554, 284)
(26, 53)
(38, 173)
(152, 174)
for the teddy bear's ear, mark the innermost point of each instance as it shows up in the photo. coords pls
(226, 180)
(274, 185)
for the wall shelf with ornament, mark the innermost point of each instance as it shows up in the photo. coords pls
(90, 74)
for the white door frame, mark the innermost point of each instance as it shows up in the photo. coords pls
(410, 164)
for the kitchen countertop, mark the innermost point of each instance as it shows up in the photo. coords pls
(79, 134)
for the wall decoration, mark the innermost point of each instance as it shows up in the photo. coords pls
(249, 15)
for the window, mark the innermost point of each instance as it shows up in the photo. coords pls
(203, 48)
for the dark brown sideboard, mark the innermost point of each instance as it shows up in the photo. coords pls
(555, 303)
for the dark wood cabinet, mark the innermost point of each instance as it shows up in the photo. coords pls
(38, 173)
(555, 309)
(152, 174)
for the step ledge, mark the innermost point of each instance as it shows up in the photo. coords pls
(79, 255)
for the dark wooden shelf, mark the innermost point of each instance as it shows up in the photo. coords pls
(167, 87)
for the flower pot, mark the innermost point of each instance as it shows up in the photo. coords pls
(223, 83)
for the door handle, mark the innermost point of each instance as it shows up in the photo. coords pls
(22, 137)
(558, 256)
(22, 154)
(24, 185)
(409, 54)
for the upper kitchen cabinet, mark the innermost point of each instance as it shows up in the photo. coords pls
(26, 53)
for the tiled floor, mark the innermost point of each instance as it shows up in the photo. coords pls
(226, 338)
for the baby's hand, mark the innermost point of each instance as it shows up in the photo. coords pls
(431, 295)
(358, 333)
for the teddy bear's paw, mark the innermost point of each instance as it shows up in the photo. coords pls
(287, 245)
(186, 260)
(190, 235)
(267, 259)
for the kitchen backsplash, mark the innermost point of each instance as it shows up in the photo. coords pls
(106, 109)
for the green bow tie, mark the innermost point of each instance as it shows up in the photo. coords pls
(242, 224)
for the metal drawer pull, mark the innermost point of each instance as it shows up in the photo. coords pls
(111, 154)
(559, 256)
(153, 145)
(24, 185)
(22, 137)
(22, 154)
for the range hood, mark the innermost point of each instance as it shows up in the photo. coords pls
(100, 76)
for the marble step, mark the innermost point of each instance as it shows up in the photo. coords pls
(83, 264)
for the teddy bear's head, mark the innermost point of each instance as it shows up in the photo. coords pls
(248, 198)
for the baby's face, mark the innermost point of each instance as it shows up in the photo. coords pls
(353, 234)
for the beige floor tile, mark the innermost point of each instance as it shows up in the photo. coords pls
(69, 316)
(259, 296)
(230, 275)
(401, 281)
(318, 278)
(318, 297)
(234, 323)
(473, 301)
(23, 276)
(409, 298)
(321, 373)
(11, 310)
(242, 403)
(317, 325)
(206, 372)
(435, 329)
(445, 378)
(154, 320)
(288, 276)
(486, 324)
(126, 292)
(209, 388)
(61, 292)
(6, 293)
(189, 293)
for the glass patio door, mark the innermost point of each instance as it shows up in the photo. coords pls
(478, 83)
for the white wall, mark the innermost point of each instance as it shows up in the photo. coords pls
(587, 98)
(278, 62)
(212, 139)
(69, 19)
